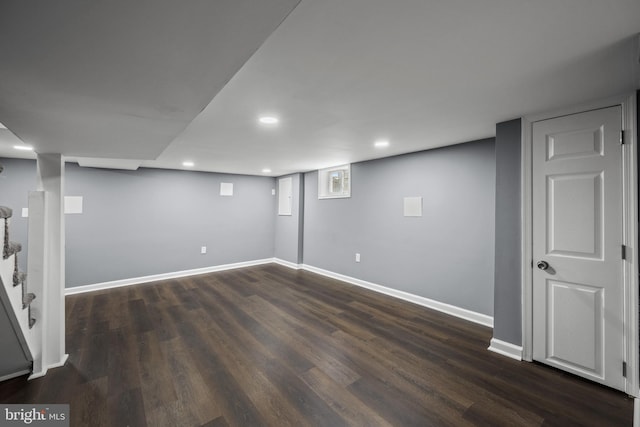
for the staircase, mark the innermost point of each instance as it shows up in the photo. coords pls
(10, 253)
(16, 318)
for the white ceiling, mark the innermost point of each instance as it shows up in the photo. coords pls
(121, 78)
(339, 74)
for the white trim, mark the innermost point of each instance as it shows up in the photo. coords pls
(163, 276)
(630, 191)
(44, 370)
(506, 349)
(61, 363)
(635, 68)
(636, 412)
(324, 182)
(14, 375)
(630, 226)
(462, 313)
(286, 263)
(611, 101)
(526, 217)
(40, 374)
(452, 310)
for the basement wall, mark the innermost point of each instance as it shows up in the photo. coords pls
(17, 179)
(289, 233)
(507, 318)
(151, 221)
(446, 255)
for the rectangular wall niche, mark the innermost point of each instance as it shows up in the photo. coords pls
(413, 206)
(285, 194)
(334, 182)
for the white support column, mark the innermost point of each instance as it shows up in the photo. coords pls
(36, 277)
(50, 179)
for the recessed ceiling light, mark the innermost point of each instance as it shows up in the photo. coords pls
(188, 164)
(381, 144)
(268, 120)
(23, 147)
(266, 170)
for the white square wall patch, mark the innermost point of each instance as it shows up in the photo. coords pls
(73, 204)
(226, 188)
(285, 196)
(413, 206)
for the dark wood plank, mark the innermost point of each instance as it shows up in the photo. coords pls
(156, 373)
(87, 404)
(140, 320)
(218, 422)
(127, 409)
(123, 361)
(269, 316)
(193, 402)
(268, 345)
(353, 410)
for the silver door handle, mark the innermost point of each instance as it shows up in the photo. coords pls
(542, 265)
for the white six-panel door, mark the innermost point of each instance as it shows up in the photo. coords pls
(578, 295)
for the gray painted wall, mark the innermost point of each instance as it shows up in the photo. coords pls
(13, 359)
(507, 316)
(446, 255)
(152, 221)
(17, 179)
(288, 233)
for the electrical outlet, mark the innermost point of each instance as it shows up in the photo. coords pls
(203, 250)
(357, 257)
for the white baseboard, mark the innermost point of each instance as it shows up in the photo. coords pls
(287, 263)
(14, 375)
(506, 349)
(35, 375)
(44, 371)
(462, 313)
(163, 276)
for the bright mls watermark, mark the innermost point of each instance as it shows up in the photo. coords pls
(34, 415)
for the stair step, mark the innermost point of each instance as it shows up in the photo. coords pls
(28, 298)
(11, 248)
(19, 278)
(5, 212)
(32, 321)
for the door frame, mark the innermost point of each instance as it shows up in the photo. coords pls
(630, 227)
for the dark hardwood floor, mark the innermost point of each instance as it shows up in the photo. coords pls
(276, 347)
